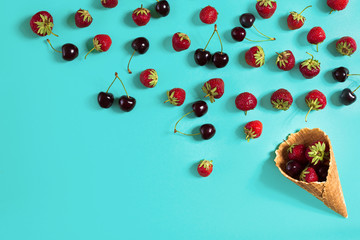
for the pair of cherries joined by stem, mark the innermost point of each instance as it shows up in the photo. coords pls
(247, 20)
(219, 59)
(207, 131)
(69, 51)
(106, 99)
(347, 96)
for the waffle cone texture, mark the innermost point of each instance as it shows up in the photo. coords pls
(330, 191)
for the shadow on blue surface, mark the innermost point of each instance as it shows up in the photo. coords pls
(193, 169)
(300, 102)
(25, 29)
(283, 22)
(335, 98)
(331, 47)
(322, 6)
(70, 21)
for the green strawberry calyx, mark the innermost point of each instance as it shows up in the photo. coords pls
(183, 37)
(345, 48)
(311, 63)
(205, 164)
(85, 15)
(45, 25)
(317, 152)
(313, 104)
(282, 58)
(304, 174)
(291, 148)
(97, 45)
(281, 104)
(210, 92)
(142, 11)
(250, 134)
(153, 77)
(173, 100)
(297, 16)
(259, 57)
(266, 3)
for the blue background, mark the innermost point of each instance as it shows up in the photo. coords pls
(70, 170)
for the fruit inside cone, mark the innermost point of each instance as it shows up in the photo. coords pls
(247, 20)
(341, 74)
(106, 99)
(69, 51)
(347, 96)
(293, 168)
(162, 7)
(140, 45)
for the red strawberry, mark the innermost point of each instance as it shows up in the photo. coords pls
(297, 153)
(337, 5)
(346, 46)
(176, 96)
(180, 42)
(149, 78)
(282, 100)
(214, 89)
(102, 43)
(245, 102)
(205, 168)
(255, 56)
(310, 68)
(309, 175)
(316, 36)
(253, 130)
(42, 24)
(141, 16)
(285, 60)
(266, 8)
(315, 100)
(208, 15)
(317, 152)
(296, 20)
(109, 3)
(83, 18)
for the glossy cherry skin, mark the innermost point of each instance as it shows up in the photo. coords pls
(69, 52)
(322, 173)
(340, 74)
(105, 100)
(220, 60)
(127, 103)
(141, 45)
(247, 20)
(238, 34)
(293, 168)
(207, 131)
(163, 8)
(347, 97)
(200, 108)
(202, 57)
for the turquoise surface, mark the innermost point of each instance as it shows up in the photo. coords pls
(70, 170)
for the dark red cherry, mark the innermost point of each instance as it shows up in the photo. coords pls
(163, 8)
(127, 103)
(238, 34)
(247, 20)
(69, 52)
(220, 59)
(347, 96)
(105, 100)
(141, 45)
(293, 168)
(340, 74)
(200, 108)
(202, 57)
(207, 131)
(322, 173)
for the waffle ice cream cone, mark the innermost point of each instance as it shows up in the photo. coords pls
(330, 191)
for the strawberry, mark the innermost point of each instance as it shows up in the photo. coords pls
(42, 24)
(309, 175)
(316, 36)
(346, 46)
(285, 60)
(317, 152)
(297, 153)
(296, 20)
(266, 8)
(176, 96)
(149, 78)
(109, 3)
(214, 89)
(208, 15)
(315, 100)
(180, 42)
(205, 168)
(310, 68)
(282, 100)
(245, 102)
(141, 16)
(83, 18)
(337, 5)
(253, 130)
(255, 56)
(102, 43)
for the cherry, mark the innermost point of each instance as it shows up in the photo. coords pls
(322, 173)
(348, 97)
(220, 59)
(127, 103)
(238, 34)
(202, 56)
(341, 74)
(140, 45)
(106, 99)
(207, 131)
(247, 20)
(69, 51)
(162, 7)
(200, 108)
(293, 168)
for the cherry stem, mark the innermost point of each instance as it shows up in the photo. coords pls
(245, 113)
(356, 89)
(210, 38)
(312, 56)
(52, 46)
(317, 47)
(219, 38)
(111, 84)
(308, 114)
(117, 76)
(175, 131)
(263, 34)
(89, 52)
(305, 9)
(195, 134)
(353, 74)
(270, 39)
(128, 67)
(54, 34)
